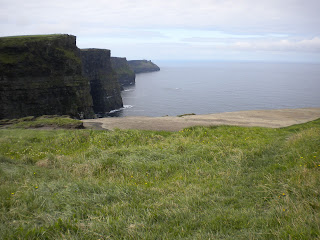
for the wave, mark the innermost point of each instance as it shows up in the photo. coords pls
(119, 109)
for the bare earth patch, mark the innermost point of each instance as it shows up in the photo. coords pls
(261, 118)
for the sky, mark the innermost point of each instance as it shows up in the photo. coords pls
(227, 30)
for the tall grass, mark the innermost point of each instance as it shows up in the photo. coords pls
(200, 183)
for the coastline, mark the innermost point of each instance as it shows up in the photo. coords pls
(254, 118)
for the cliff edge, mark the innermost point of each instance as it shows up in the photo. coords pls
(142, 66)
(42, 75)
(105, 88)
(126, 75)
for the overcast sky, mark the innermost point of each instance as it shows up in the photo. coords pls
(264, 30)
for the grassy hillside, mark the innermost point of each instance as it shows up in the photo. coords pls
(47, 121)
(200, 183)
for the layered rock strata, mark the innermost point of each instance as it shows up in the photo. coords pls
(105, 88)
(126, 75)
(42, 75)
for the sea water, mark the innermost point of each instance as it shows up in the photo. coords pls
(213, 87)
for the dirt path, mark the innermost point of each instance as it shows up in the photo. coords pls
(261, 118)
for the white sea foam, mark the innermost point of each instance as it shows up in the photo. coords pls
(119, 109)
(127, 106)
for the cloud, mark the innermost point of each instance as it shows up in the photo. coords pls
(198, 27)
(306, 45)
(258, 43)
(177, 51)
(241, 16)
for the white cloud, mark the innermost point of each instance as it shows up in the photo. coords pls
(258, 43)
(227, 25)
(293, 16)
(305, 45)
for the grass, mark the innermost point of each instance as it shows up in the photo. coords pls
(50, 121)
(200, 183)
(20, 43)
(13, 40)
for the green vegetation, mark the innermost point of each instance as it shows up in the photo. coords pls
(20, 40)
(124, 71)
(200, 183)
(9, 58)
(125, 74)
(70, 55)
(52, 121)
(46, 70)
(186, 114)
(141, 66)
(13, 49)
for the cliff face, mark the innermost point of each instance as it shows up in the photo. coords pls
(105, 89)
(142, 66)
(42, 75)
(125, 74)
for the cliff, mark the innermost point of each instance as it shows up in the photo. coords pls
(105, 89)
(125, 74)
(42, 75)
(142, 66)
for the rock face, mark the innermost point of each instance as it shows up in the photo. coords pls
(126, 75)
(142, 66)
(42, 75)
(105, 89)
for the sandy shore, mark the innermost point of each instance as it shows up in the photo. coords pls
(262, 118)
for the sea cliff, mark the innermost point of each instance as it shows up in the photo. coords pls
(42, 75)
(126, 75)
(142, 66)
(105, 88)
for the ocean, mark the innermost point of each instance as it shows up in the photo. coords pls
(214, 87)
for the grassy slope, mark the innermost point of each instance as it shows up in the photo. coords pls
(17, 42)
(50, 121)
(199, 183)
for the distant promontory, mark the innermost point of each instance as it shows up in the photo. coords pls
(143, 66)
